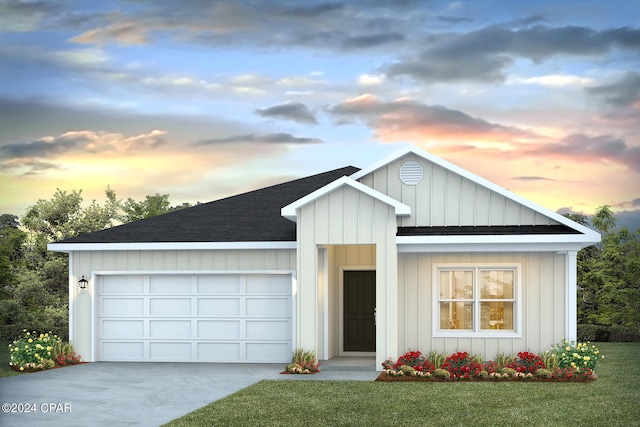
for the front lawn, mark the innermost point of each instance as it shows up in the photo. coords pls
(5, 369)
(612, 400)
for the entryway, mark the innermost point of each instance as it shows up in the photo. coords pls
(359, 311)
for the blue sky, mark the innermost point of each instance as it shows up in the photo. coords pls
(204, 99)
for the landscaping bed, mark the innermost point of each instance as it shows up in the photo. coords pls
(38, 352)
(566, 362)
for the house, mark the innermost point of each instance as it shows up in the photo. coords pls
(412, 252)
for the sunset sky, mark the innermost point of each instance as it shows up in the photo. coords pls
(202, 99)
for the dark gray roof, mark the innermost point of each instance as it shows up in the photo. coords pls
(248, 217)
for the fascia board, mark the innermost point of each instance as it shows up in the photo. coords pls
(290, 211)
(162, 246)
(493, 243)
(493, 238)
(592, 235)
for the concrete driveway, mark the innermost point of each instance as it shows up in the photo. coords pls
(118, 394)
(122, 394)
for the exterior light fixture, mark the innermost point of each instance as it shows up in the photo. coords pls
(83, 283)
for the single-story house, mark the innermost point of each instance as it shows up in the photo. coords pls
(410, 253)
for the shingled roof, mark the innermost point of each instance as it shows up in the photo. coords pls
(248, 217)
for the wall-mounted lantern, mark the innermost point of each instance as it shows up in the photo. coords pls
(83, 283)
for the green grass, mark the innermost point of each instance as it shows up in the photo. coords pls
(612, 400)
(5, 370)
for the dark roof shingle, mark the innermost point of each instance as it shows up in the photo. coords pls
(248, 217)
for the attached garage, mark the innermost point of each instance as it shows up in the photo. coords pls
(194, 318)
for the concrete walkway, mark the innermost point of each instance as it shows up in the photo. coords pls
(136, 394)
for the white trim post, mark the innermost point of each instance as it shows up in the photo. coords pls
(571, 264)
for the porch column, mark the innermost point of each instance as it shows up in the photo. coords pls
(571, 323)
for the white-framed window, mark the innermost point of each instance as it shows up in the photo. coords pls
(477, 300)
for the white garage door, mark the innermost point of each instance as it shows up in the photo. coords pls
(205, 318)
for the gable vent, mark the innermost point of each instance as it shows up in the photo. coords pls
(411, 173)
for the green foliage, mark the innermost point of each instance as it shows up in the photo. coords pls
(609, 277)
(544, 373)
(579, 356)
(32, 350)
(503, 359)
(407, 370)
(436, 358)
(303, 362)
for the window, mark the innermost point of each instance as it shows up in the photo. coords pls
(476, 300)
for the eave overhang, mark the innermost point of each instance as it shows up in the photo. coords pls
(168, 246)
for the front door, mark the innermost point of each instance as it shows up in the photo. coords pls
(359, 311)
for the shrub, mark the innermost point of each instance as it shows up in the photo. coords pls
(593, 333)
(527, 363)
(490, 366)
(416, 360)
(483, 374)
(303, 362)
(407, 370)
(578, 356)
(550, 359)
(544, 373)
(436, 358)
(441, 373)
(504, 359)
(461, 365)
(32, 350)
(623, 334)
(507, 371)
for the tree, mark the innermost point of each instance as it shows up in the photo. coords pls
(157, 204)
(63, 216)
(609, 276)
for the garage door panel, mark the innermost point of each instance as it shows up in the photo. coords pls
(117, 285)
(170, 306)
(169, 351)
(170, 329)
(122, 351)
(219, 285)
(223, 352)
(276, 330)
(219, 307)
(216, 318)
(123, 307)
(122, 329)
(169, 285)
(219, 329)
(258, 352)
(268, 307)
(268, 285)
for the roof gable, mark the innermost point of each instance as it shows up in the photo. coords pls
(510, 199)
(290, 211)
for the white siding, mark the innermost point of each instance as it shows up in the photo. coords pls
(444, 198)
(543, 297)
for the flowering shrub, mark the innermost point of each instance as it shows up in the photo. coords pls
(460, 365)
(527, 363)
(33, 351)
(419, 364)
(303, 362)
(579, 356)
(68, 359)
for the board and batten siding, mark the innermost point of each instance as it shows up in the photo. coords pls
(445, 198)
(191, 261)
(346, 216)
(543, 297)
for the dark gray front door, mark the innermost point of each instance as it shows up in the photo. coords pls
(359, 311)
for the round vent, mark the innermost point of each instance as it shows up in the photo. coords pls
(411, 173)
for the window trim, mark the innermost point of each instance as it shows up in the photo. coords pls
(477, 332)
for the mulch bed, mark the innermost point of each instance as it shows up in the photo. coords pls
(17, 368)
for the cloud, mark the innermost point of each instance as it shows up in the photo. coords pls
(81, 141)
(624, 92)
(409, 119)
(296, 111)
(271, 138)
(580, 147)
(27, 167)
(372, 40)
(484, 55)
(533, 178)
